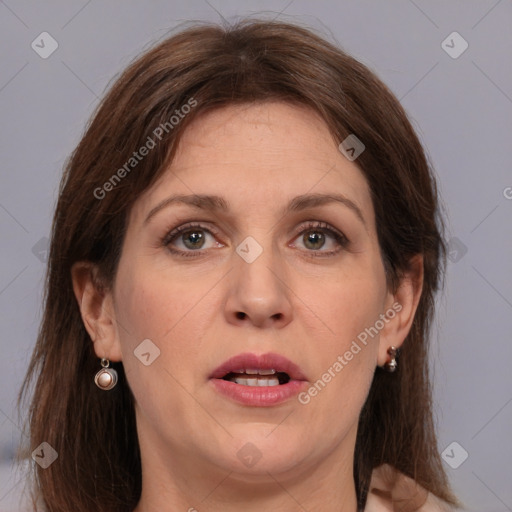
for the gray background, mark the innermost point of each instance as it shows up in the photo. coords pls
(461, 107)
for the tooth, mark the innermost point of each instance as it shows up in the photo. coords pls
(272, 381)
(257, 382)
(266, 372)
(251, 372)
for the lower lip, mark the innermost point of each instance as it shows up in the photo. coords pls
(259, 396)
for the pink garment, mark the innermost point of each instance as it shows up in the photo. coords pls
(392, 491)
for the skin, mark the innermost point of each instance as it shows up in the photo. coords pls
(296, 301)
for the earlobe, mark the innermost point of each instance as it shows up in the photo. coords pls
(96, 308)
(404, 301)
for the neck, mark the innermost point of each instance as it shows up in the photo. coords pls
(176, 480)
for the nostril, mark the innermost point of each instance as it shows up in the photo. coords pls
(240, 315)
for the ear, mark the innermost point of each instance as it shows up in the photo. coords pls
(403, 302)
(97, 310)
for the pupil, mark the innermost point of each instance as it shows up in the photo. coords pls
(194, 237)
(314, 238)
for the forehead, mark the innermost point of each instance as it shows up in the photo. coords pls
(262, 154)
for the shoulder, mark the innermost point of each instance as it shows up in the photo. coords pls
(392, 491)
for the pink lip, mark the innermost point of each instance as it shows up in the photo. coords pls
(259, 396)
(262, 362)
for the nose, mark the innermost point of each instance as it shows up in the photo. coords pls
(258, 293)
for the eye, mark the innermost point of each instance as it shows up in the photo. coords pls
(319, 237)
(189, 239)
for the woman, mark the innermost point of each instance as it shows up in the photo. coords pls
(244, 258)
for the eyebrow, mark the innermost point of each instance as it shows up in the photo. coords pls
(219, 204)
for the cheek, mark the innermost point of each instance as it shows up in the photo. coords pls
(150, 308)
(348, 306)
(346, 344)
(346, 364)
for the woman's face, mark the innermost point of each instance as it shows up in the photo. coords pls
(270, 269)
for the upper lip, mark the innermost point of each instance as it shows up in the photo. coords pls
(267, 361)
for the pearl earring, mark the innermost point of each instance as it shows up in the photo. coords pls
(106, 378)
(392, 364)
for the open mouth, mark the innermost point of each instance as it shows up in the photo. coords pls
(257, 378)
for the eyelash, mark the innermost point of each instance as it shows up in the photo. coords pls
(339, 237)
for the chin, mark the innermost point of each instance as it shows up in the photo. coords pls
(260, 454)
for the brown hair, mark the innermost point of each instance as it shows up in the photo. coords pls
(94, 432)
